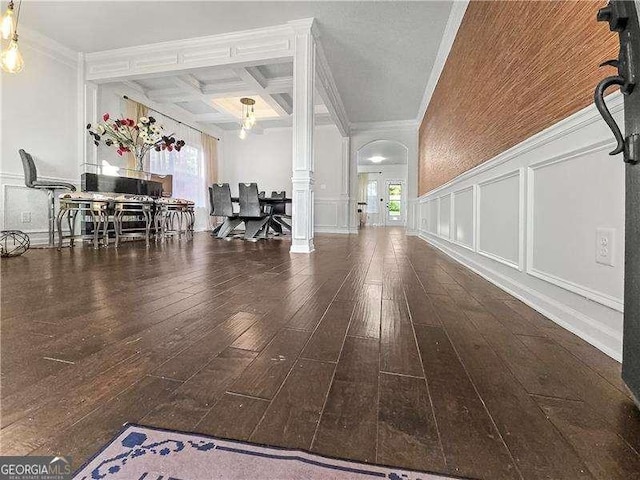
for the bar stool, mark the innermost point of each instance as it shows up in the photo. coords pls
(89, 205)
(170, 216)
(31, 181)
(138, 206)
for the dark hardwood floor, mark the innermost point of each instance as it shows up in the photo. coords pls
(376, 348)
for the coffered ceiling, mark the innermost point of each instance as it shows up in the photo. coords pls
(211, 96)
(380, 53)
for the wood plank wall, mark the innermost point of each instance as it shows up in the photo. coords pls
(515, 68)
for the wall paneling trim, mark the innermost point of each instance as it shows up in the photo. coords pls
(534, 211)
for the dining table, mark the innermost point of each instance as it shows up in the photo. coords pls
(273, 225)
(266, 200)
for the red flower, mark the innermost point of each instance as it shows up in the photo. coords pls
(119, 152)
(105, 117)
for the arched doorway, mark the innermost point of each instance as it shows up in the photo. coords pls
(382, 178)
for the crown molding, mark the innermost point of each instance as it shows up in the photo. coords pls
(49, 47)
(388, 125)
(456, 15)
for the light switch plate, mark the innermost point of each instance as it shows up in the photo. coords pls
(605, 245)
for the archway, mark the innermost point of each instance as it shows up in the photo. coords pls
(382, 168)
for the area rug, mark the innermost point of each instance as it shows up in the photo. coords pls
(145, 453)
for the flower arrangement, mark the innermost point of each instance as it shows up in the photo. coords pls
(129, 136)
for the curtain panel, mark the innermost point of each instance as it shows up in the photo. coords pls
(210, 153)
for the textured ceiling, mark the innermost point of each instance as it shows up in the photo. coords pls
(381, 53)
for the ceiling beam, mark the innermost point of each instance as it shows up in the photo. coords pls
(188, 83)
(215, 118)
(328, 91)
(283, 103)
(227, 89)
(252, 77)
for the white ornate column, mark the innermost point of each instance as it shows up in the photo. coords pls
(302, 179)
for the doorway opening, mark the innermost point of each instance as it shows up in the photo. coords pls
(382, 177)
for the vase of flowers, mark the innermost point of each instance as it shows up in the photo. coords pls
(129, 136)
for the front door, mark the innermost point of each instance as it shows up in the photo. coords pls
(624, 19)
(395, 211)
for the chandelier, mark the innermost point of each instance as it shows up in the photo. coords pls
(248, 116)
(11, 59)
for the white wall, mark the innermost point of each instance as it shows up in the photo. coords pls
(39, 112)
(383, 173)
(527, 220)
(267, 160)
(264, 159)
(110, 100)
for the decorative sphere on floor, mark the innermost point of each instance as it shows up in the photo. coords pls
(13, 243)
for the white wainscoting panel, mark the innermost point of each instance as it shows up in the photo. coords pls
(463, 217)
(499, 220)
(17, 199)
(433, 216)
(568, 202)
(526, 221)
(328, 213)
(444, 216)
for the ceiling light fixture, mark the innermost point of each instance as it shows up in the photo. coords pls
(377, 158)
(7, 24)
(11, 59)
(248, 116)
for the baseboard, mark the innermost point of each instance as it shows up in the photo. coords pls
(565, 316)
(325, 229)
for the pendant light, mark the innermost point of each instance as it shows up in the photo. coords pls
(11, 60)
(248, 116)
(7, 24)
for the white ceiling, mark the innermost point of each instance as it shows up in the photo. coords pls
(392, 153)
(380, 53)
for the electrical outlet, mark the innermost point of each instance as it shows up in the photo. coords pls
(26, 217)
(605, 244)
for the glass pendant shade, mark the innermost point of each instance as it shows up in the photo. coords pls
(248, 119)
(11, 60)
(7, 24)
(243, 133)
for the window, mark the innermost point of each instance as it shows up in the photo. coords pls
(187, 168)
(372, 196)
(395, 199)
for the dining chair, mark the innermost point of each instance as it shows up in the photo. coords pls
(279, 211)
(253, 214)
(221, 206)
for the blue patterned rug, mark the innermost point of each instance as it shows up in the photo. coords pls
(144, 453)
